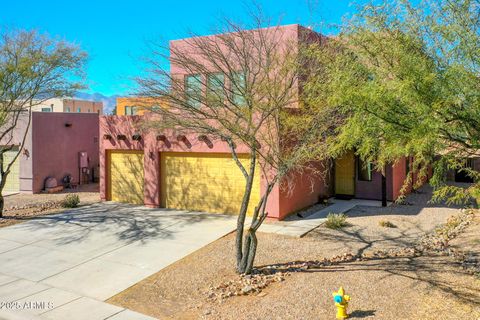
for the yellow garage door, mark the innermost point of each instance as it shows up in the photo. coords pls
(13, 179)
(205, 182)
(126, 176)
(345, 174)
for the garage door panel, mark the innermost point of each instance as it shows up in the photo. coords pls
(126, 176)
(204, 182)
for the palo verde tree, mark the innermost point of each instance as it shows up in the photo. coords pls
(242, 89)
(33, 68)
(406, 77)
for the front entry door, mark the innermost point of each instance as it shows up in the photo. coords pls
(345, 175)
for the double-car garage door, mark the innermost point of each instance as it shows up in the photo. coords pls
(209, 182)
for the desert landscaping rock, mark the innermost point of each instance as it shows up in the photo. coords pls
(365, 258)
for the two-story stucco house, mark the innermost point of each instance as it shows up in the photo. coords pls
(165, 170)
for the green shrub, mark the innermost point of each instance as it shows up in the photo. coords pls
(336, 220)
(71, 201)
(386, 224)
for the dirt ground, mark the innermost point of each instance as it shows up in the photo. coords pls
(22, 206)
(424, 287)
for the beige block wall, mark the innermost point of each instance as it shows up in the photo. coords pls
(82, 106)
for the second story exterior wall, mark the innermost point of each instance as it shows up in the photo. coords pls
(69, 105)
(82, 106)
(286, 40)
(50, 105)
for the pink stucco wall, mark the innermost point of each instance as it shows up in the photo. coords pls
(128, 126)
(399, 170)
(25, 161)
(303, 189)
(369, 189)
(55, 147)
(287, 35)
(395, 176)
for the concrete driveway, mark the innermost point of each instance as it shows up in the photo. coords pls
(64, 266)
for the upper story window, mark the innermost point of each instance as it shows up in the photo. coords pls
(79, 110)
(67, 109)
(238, 86)
(193, 90)
(47, 109)
(215, 87)
(88, 110)
(364, 170)
(131, 110)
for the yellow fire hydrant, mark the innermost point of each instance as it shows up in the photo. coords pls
(341, 302)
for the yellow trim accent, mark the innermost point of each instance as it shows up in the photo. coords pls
(209, 182)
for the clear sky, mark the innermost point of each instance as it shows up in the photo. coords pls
(114, 33)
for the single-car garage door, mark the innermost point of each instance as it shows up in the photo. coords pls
(126, 176)
(205, 182)
(13, 179)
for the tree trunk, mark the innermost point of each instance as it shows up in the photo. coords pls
(244, 207)
(250, 243)
(252, 250)
(2, 204)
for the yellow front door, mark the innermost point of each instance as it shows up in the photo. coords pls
(126, 177)
(207, 182)
(345, 174)
(13, 179)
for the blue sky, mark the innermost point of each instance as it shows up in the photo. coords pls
(114, 33)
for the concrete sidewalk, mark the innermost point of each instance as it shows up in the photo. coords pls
(64, 266)
(300, 227)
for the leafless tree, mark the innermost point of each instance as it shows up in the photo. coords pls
(33, 68)
(243, 89)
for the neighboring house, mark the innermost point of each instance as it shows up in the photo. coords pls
(69, 105)
(52, 149)
(132, 106)
(194, 173)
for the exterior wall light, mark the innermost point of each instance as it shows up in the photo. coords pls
(121, 137)
(137, 137)
(107, 137)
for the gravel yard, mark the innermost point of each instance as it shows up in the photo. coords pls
(22, 206)
(364, 232)
(429, 286)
